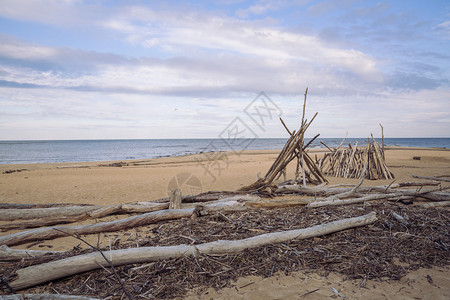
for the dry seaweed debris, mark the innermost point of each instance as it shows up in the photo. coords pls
(385, 250)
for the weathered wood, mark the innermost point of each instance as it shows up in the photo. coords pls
(334, 202)
(420, 183)
(279, 203)
(382, 139)
(243, 198)
(36, 213)
(59, 215)
(47, 233)
(293, 148)
(38, 205)
(431, 178)
(175, 199)
(435, 204)
(434, 194)
(8, 254)
(42, 222)
(38, 274)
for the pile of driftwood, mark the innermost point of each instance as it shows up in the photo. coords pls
(294, 148)
(320, 196)
(349, 162)
(48, 219)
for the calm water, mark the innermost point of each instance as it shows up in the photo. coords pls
(16, 152)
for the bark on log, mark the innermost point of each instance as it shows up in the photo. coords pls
(8, 254)
(38, 274)
(48, 233)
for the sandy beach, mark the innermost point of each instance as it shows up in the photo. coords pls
(104, 183)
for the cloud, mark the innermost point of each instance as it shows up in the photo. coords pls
(201, 68)
(261, 7)
(52, 12)
(444, 28)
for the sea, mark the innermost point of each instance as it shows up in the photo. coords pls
(57, 151)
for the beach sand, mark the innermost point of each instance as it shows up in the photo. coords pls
(103, 183)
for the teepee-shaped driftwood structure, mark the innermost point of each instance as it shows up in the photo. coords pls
(294, 148)
(349, 162)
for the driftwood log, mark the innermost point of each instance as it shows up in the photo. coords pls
(77, 212)
(47, 233)
(38, 274)
(432, 178)
(8, 254)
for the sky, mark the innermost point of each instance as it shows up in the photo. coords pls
(79, 69)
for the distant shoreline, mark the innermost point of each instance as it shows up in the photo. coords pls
(190, 157)
(26, 152)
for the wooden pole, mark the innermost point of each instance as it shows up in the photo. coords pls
(382, 139)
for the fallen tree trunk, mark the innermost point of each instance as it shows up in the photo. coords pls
(38, 274)
(48, 233)
(8, 254)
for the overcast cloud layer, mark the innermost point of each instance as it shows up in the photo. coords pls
(79, 69)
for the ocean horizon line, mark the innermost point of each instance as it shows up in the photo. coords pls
(214, 138)
(58, 151)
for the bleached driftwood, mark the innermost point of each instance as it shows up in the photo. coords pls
(37, 213)
(34, 223)
(432, 178)
(435, 204)
(279, 203)
(48, 233)
(434, 194)
(8, 254)
(38, 274)
(334, 202)
(77, 211)
(175, 199)
(38, 205)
